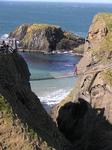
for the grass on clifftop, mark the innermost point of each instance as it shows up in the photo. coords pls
(7, 115)
(107, 42)
(35, 27)
(5, 108)
(101, 36)
(40, 26)
(106, 18)
(108, 76)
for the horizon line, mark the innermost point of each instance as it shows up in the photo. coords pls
(55, 1)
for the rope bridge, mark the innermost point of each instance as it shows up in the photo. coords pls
(51, 76)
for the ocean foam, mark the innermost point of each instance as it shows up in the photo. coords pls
(4, 36)
(51, 92)
(53, 98)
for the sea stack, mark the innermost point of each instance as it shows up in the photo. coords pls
(46, 38)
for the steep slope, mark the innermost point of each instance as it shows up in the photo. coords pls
(87, 120)
(95, 68)
(44, 37)
(24, 124)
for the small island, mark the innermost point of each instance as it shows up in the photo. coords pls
(47, 39)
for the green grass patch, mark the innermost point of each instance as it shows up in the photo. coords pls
(6, 110)
(105, 45)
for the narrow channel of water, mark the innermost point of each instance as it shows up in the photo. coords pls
(56, 74)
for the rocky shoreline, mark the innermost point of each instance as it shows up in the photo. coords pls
(51, 53)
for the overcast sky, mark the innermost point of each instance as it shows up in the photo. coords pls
(91, 1)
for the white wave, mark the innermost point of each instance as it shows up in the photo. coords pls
(4, 36)
(53, 98)
(51, 92)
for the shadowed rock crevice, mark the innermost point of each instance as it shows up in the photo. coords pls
(85, 127)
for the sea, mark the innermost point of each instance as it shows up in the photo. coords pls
(52, 76)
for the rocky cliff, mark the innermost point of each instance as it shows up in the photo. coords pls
(88, 121)
(96, 65)
(44, 37)
(24, 124)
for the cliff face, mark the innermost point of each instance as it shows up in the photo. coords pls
(43, 37)
(24, 124)
(96, 65)
(87, 122)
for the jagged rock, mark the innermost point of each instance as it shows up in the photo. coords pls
(71, 42)
(20, 32)
(43, 37)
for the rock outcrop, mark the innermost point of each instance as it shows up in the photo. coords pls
(24, 124)
(43, 37)
(87, 120)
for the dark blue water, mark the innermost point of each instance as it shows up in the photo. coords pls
(75, 17)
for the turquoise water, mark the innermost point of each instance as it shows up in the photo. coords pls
(51, 92)
(44, 68)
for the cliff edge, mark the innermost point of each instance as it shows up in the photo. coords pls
(24, 124)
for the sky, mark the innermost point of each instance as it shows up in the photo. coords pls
(88, 1)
